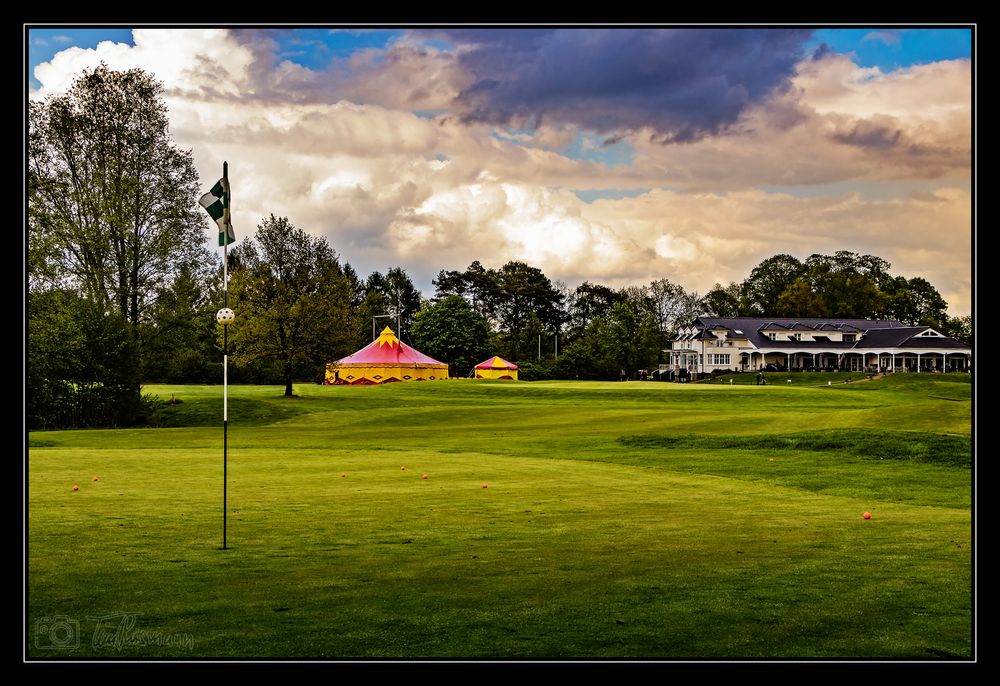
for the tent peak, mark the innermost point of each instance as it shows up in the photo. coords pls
(387, 337)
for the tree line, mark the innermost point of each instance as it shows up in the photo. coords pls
(845, 284)
(122, 290)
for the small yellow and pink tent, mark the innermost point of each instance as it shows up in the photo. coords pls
(384, 360)
(496, 368)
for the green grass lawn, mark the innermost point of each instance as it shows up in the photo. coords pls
(620, 520)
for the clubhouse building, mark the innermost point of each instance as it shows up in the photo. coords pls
(751, 343)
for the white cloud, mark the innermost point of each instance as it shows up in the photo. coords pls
(195, 62)
(939, 92)
(888, 37)
(389, 187)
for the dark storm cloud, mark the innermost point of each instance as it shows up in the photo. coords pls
(682, 83)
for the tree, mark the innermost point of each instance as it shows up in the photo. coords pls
(291, 300)
(403, 299)
(723, 301)
(525, 290)
(847, 284)
(82, 364)
(800, 300)
(631, 335)
(391, 296)
(478, 285)
(112, 200)
(767, 282)
(450, 331)
(180, 330)
(588, 302)
(357, 288)
(113, 217)
(960, 328)
(671, 307)
(928, 307)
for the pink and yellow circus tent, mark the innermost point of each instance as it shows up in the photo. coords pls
(384, 360)
(496, 368)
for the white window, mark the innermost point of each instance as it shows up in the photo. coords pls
(720, 358)
(773, 336)
(848, 338)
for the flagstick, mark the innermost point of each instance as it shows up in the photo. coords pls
(225, 364)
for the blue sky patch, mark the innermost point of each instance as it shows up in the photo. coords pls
(891, 49)
(44, 43)
(589, 196)
(315, 48)
(588, 146)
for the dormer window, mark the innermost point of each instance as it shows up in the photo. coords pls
(849, 337)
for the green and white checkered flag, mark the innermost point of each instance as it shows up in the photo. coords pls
(216, 203)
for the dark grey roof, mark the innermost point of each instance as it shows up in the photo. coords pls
(878, 333)
(806, 346)
(934, 342)
(890, 338)
(908, 337)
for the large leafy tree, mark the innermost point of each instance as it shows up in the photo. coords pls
(846, 284)
(524, 291)
(916, 301)
(800, 300)
(180, 330)
(478, 285)
(112, 219)
(671, 307)
(960, 328)
(587, 302)
(632, 336)
(81, 363)
(449, 330)
(291, 300)
(766, 283)
(724, 301)
(112, 200)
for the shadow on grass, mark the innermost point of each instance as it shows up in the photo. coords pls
(208, 411)
(940, 449)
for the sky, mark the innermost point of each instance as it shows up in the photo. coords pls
(610, 155)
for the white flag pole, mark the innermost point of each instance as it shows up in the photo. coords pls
(225, 349)
(210, 201)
